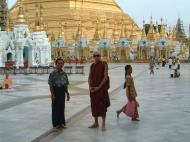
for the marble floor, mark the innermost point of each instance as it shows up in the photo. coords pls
(25, 110)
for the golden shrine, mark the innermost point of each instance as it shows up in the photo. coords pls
(157, 42)
(73, 13)
(73, 19)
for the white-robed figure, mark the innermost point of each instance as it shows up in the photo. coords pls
(174, 72)
(170, 63)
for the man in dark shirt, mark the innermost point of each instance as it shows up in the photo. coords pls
(58, 82)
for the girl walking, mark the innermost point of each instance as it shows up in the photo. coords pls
(131, 95)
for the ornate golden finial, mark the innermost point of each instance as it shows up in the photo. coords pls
(46, 27)
(82, 31)
(143, 30)
(8, 23)
(21, 16)
(162, 30)
(122, 35)
(104, 32)
(65, 30)
(115, 34)
(53, 37)
(96, 34)
(78, 34)
(39, 24)
(41, 18)
(174, 32)
(126, 31)
(30, 27)
(37, 19)
(157, 30)
(170, 33)
(61, 30)
(133, 32)
(151, 33)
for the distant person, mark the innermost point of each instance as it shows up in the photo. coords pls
(152, 64)
(175, 72)
(170, 63)
(98, 85)
(130, 93)
(163, 61)
(58, 82)
(178, 64)
(173, 61)
(7, 82)
(159, 61)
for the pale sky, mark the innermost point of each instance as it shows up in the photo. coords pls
(169, 10)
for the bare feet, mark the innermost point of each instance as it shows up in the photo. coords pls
(93, 126)
(118, 112)
(104, 129)
(63, 126)
(57, 128)
(135, 119)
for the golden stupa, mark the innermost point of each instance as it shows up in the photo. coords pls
(77, 15)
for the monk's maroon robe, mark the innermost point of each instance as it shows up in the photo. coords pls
(99, 99)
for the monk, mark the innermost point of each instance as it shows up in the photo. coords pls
(98, 85)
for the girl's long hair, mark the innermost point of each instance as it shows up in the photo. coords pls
(126, 70)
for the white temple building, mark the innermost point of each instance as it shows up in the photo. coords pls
(22, 47)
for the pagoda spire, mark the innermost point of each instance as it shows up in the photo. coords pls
(174, 33)
(53, 37)
(162, 30)
(41, 18)
(61, 31)
(104, 32)
(39, 24)
(8, 23)
(21, 19)
(143, 31)
(180, 32)
(82, 34)
(96, 34)
(151, 33)
(122, 35)
(170, 33)
(37, 19)
(78, 34)
(125, 30)
(115, 34)
(157, 30)
(133, 32)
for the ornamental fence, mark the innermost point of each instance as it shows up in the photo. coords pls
(41, 70)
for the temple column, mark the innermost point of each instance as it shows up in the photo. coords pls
(166, 53)
(141, 54)
(148, 53)
(169, 52)
(157, 53)
(20, 57)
